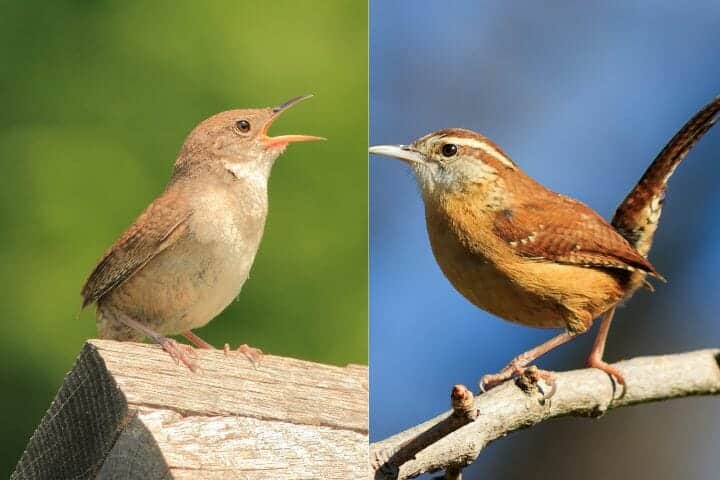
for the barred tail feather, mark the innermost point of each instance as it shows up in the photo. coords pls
(637, 217)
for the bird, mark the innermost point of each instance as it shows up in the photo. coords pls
(188, 254)
(532, 256)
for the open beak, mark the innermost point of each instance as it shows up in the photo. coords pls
(401, 152)
(284, 140)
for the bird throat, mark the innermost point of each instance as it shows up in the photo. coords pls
(255, 173)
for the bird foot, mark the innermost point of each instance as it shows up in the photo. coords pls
(180, 352)
(594, 361)
(530, 379)
(490, 381)
(527, 377)
(255, 355)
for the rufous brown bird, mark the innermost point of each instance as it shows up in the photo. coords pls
(529, 255)
(187, 256)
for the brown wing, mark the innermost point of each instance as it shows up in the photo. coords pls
(159, 226)
(637, 216)
(564, 230)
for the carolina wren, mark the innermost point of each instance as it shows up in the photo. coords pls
(188, 254)
(530, 255)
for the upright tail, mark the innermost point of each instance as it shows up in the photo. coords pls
(637, 217)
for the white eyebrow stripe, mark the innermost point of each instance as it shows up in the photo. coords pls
(480, 145)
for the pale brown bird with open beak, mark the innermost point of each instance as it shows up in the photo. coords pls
(187, 256)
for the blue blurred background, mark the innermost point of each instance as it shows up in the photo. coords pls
(97, 98)
(582, 96)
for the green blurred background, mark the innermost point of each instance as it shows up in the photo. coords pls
(95, 101)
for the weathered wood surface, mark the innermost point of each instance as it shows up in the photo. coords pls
(127, 411)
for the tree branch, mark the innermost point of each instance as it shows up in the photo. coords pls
(507, 408)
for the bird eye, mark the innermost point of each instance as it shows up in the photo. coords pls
(242, 126)
(449, 150)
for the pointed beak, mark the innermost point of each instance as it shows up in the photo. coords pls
(284, 140)
(402, 152)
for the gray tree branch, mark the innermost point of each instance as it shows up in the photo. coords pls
(507, 408)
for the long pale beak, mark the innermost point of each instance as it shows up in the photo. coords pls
(284, 140)
(401, 152)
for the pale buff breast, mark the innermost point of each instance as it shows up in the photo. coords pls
(195, 279)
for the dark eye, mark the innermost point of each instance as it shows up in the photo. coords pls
(243, 125)
(449, 149)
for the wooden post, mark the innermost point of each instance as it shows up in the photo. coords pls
(127, 411)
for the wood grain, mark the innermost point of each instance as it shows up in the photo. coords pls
(127, 411)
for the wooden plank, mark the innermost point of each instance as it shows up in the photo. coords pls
(127, 411)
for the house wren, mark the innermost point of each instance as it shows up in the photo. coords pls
(187, 256)
(530, 255)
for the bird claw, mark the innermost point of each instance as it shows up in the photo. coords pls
(255, 355)
(490, 381)
(180, 352)
(531, 377)
(613, 372)
(526, 376)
